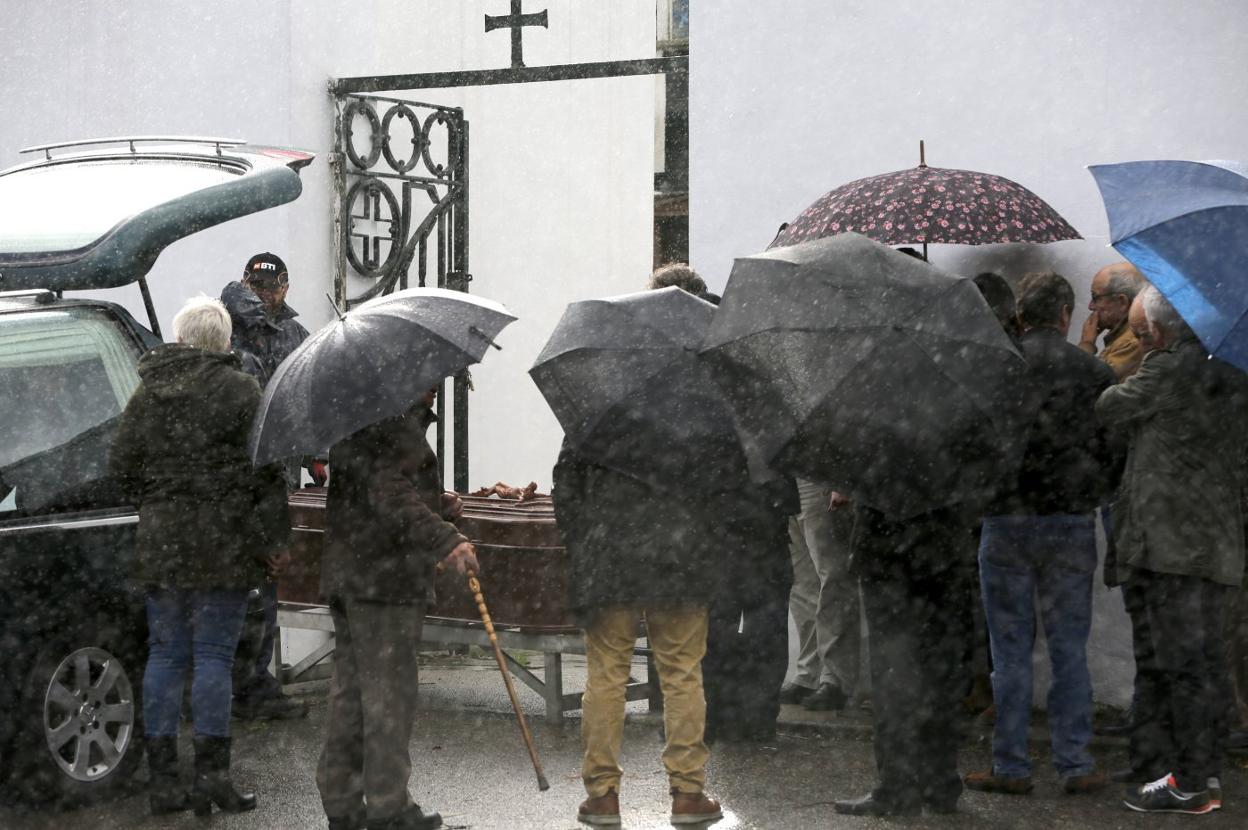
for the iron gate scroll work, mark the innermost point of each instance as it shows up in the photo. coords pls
(401, 181)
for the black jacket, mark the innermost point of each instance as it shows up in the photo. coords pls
(629, 543)
(207, 517)
(384, 529)
(1069, 465)
(261, 340)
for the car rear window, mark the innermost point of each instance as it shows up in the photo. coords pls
(65, 377)
(64, 207)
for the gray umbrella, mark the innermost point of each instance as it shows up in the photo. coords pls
(374, 362)
(870, 371)
(624, 380)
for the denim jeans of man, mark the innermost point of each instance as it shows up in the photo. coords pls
(195, 630)
(1051, 559)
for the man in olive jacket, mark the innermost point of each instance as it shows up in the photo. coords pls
(1178, 527)
(386, 528)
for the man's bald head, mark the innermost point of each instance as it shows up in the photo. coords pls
(1113, 289)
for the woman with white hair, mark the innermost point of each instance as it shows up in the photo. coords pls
(209, 524)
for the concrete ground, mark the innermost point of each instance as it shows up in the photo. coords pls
(470, 764)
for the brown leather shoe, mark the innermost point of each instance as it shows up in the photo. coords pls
(603, 811)
(694, 808)
(1080, 784)
(986, 782)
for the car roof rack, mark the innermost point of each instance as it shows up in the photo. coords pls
(42, 296)
(47, 149)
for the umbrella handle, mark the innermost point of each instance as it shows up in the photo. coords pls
(484, 337)
(341, 314)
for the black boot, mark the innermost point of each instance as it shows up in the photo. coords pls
(212, 779)
(165, 792)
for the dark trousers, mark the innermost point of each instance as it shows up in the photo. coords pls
(253, 680)
(366, 762)
(747, 644)
(915, 585)
(1186, 616)
(1150, 749)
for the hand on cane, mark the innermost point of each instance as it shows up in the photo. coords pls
(463, 559)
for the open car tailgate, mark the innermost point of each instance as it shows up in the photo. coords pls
(100, 218)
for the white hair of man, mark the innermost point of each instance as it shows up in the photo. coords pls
(1127, 281)
(1161, 314)
(203, 322)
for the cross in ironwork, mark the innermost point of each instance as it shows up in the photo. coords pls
(516, 21)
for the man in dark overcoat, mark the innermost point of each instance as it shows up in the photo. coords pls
(386, 528)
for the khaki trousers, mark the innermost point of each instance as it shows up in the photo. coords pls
(366, 762)
(824, 598)
(678, 637)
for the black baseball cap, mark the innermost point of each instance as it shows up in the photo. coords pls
(267, 268)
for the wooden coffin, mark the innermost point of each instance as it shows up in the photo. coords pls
(524, 566)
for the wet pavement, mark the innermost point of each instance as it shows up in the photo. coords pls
(471, 765)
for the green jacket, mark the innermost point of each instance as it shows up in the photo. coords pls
(207, 517)
(1180, 508)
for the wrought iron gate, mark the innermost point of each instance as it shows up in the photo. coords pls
(400, 173)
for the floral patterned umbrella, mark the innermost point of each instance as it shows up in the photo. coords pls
(930, 204)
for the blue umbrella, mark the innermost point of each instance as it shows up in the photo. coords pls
(1184, 224)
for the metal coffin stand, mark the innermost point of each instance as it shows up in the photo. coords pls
(523, 559)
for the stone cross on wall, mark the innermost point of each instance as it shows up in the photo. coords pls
(516, 21)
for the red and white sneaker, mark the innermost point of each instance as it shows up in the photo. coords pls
(1164, 796)
(1214, 785)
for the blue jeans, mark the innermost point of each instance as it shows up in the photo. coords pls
(1054, 558)
(185, 629)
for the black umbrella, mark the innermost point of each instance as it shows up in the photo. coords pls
(374, 362)
(870, 371)
(624, 380)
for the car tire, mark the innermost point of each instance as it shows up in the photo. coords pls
(82, 719)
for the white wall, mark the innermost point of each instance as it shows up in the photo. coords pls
(789, 103)
(562, 174)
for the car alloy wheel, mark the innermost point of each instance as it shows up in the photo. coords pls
(89, 714)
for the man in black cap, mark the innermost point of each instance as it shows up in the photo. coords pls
(264, 333)
(265, 329)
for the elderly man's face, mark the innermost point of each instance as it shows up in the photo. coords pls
(1111, 309)
(1138, 322)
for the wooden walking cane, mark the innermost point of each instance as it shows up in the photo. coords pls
(475, 586)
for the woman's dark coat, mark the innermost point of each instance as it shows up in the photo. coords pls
(384, 528)
(207, 517)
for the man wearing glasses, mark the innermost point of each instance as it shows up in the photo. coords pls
(1113, 289)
